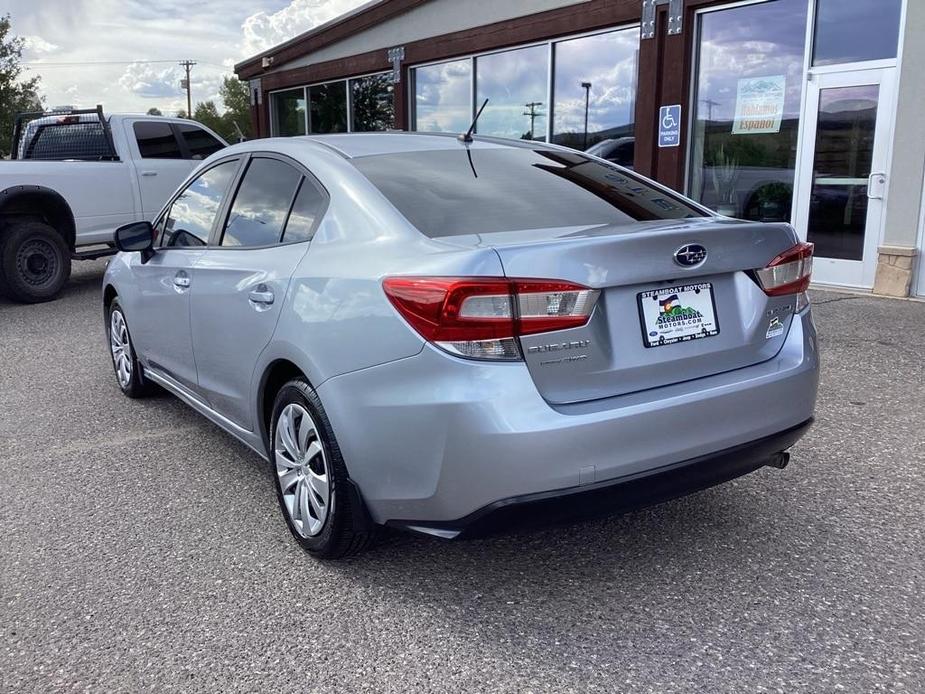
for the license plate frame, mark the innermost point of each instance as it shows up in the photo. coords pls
(695, 315)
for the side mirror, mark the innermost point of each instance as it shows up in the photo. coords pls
(137, 237)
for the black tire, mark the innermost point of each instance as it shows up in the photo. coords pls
(35, 262)
(136, 385)
(347, 529)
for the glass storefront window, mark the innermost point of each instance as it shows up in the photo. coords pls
(327, 108)
(849, 31)
(289, 112)
(608, 63)
(443, 96)
(371, 103)
(749, 85)
(516, 84)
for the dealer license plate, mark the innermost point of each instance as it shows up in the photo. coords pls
(677, 314)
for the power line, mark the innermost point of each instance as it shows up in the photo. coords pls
(113, 62)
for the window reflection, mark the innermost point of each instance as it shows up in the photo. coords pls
(850, 31)
(193, 213)
(608, 62)
(443, 97)
(515, 83)
(748, 92)
(289, 112)
(844, 154)
(261, 204)
(372, 105)
(449, 193)
(327, 108)
(305, 210)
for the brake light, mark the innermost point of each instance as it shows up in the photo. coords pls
(482, 317)
(788, 273)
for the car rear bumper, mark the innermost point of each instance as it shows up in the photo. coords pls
(433, 439)
(619, 495)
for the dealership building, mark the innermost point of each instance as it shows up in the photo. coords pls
(806, 111)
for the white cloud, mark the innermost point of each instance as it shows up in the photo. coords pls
(151, 81)
(263, 30)
(83, 50)
(36, 45)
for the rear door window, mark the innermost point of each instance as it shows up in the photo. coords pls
(156, 140)
(457, 192)
(193, 213)
(199, 142)
(262, 204)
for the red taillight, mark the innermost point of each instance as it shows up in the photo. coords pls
(483, 317)
(788, 273)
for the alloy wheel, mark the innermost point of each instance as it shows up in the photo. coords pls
(121, 348)
(302, 469)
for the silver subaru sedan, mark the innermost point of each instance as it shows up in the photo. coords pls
(450, 336)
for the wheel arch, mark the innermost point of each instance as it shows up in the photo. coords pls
(275, 376)
(109, 293)
(39, 202)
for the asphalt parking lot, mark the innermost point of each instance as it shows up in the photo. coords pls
(141, 549)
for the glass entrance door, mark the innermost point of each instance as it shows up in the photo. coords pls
(843, 173)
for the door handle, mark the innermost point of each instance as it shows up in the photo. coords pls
(875, 185)
(181, 280)
(261, 295)
(149, 173)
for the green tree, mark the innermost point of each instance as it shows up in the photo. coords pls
(236, 97)
(206, 112)
(16, 94)
(373, 108)
(154, 111)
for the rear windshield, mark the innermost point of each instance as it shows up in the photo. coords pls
(68, 141)
(447, 193)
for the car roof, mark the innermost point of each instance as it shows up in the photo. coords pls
(355, 145)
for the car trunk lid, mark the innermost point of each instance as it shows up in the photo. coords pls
(618, 351)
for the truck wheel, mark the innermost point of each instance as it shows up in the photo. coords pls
(35, 262)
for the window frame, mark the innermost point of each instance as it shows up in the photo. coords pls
(218, 230)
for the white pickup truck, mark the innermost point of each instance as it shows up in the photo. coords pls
(75, 177)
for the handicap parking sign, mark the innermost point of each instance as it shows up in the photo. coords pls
(669, 126)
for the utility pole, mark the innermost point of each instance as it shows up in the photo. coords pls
(533, 114)
(710, 104)
(188, 64)
(587, 87)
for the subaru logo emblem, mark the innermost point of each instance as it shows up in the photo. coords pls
(690, 255)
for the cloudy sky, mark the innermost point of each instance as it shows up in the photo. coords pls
(100, 51)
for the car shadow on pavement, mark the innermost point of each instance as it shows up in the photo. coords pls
(638, 573)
